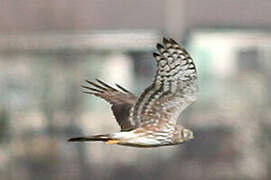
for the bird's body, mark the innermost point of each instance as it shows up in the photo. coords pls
(143, 137)
(150, 119)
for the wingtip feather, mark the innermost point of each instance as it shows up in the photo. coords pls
(106, 85)
(122, 88)
(159, 46)
(91, 89)
(165, 41)
(96, 85)
(173, 41)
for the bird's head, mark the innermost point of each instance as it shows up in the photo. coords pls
(184, 135)
(187, 134)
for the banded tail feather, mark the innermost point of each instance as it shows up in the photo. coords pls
(91, 138)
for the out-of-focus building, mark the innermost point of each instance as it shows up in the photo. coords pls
(48, 48)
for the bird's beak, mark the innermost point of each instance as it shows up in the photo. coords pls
(192, 136)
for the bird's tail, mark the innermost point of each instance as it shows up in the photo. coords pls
(105, 138)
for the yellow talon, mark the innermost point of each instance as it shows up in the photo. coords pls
(113, 141)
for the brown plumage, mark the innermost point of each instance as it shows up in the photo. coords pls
(150, 119)
(121, 100)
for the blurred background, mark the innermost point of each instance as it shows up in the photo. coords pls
(48, 48)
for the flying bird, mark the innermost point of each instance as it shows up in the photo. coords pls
(151, 119)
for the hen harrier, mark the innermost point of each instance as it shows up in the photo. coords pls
(150, 120)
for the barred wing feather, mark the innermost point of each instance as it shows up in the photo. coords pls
(173, 89)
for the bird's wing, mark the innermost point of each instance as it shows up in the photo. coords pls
(121, 100)
(173, 89)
